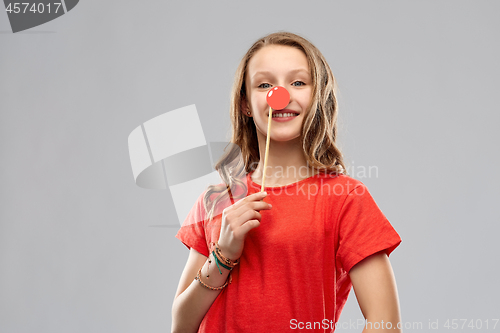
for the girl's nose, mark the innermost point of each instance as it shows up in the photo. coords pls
(278, 97)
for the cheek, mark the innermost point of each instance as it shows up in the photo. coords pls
(306, 94)
(305, 98)
(258, 102)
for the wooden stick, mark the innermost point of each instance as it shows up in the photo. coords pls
(267, 146)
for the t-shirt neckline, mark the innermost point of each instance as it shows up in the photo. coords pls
(255, 185)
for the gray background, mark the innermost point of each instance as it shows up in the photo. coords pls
(83, 249)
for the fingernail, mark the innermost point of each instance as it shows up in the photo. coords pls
(270, 206)
(265, 193)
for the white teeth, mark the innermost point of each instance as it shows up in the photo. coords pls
(280, 115)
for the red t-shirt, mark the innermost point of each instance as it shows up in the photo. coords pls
(294, 267)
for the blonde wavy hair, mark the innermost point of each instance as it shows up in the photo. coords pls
(318, 133)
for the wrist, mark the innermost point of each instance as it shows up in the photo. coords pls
(227, 261)
(227, 253)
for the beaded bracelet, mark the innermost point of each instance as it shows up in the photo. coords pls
(198, 277)
(228, 262)
(219, 262)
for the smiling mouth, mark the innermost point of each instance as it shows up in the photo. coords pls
(284, 113)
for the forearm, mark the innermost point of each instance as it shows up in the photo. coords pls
(383, 317)
(375, 288)
(190, 306)
(382, 325)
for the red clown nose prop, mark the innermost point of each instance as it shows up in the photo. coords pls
(277, 98)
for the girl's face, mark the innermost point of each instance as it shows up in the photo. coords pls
(278, 65)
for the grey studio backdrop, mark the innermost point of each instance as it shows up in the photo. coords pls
(84, 249)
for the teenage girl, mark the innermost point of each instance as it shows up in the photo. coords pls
(287, 262)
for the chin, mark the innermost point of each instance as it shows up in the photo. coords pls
(284, 138)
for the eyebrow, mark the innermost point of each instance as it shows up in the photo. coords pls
(293, 71)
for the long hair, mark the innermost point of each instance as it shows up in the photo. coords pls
(318, 133)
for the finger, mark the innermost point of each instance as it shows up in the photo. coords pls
(252, 197)
(259, 205)
(249, 215)
(249, 225)
(244, 213)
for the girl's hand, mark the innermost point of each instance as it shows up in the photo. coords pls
(237, 221)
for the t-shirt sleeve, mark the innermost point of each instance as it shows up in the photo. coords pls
(192, 232)
(363, 229)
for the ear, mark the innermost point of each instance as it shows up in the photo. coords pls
(244, 106)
